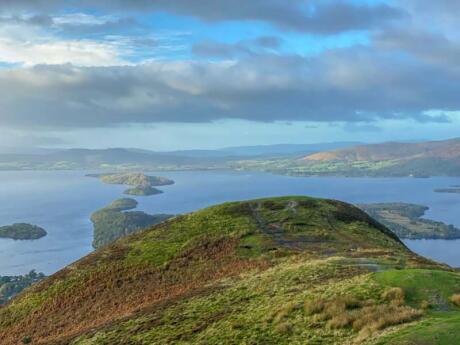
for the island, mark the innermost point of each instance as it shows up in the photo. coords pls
(10, 286)
(22, 231)
(406, 221)
(142, 190)
(453, 190)
(142, 185)
(112, 222)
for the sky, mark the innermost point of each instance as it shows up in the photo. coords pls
(181, 74)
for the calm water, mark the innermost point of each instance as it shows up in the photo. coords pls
(62, 202)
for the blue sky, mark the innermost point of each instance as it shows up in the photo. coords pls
(170, 75)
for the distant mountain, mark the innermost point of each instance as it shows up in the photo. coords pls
(262, 150)
(114, 158)
(139, 159)
(285, 149)
(447, 149)
(292, 270)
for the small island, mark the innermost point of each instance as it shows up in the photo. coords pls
(406, 221)
(112, 222)
(142, 190)
(22, 231)
(142, 185)
(453, 190)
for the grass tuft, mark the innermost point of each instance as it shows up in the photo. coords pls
(455, 299)
(365, 317)
(394, 295)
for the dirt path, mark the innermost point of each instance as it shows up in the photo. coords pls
(276, 231)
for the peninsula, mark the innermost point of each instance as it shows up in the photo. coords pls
(406, 221)
(113, 222)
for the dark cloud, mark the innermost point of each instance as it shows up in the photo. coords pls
(271, 42)
(434, 48)
(77, 28)
(36, 20)
(405, 72)
(447, 8)
(354, 85)
(299, 15)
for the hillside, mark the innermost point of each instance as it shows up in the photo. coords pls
(291, 270)
(448, 149)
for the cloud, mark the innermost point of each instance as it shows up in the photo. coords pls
(79, 52)
(407, 71)
(433, 48)
(233, 50)
(353, 85)
(298, 15)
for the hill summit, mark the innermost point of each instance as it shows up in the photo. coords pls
(268, 271)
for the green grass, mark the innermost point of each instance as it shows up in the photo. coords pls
(235, 273)
(266, 308)
(433, 286)
(439, 329)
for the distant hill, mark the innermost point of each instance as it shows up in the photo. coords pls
(447, 149)
(285, 149)
(424, 159)
(431, 158)
(114, 158)
(137, 159)
(292, 270)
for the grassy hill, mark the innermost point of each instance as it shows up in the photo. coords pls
(291, 270)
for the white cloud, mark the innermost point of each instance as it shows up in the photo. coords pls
(21, 43)
(82, 19)
(78, 52)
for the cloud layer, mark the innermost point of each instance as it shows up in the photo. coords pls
(77, 70)
(299, 15)
(343, 85)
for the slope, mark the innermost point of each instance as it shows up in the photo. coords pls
(272, 271)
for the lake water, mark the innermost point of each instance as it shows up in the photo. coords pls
(62, 201)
